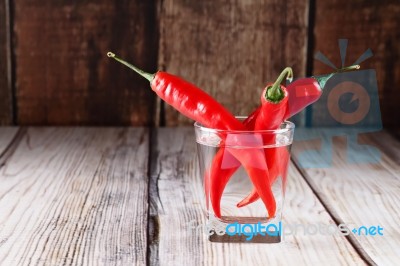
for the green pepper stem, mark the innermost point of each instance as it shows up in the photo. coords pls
(275, 93)
(348, 68)
(146, 75)
(322, 80)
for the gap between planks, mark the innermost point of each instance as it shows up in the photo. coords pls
(152, 219)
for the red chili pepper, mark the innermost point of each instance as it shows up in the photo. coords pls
(199, 106)
(223, 166)
(189, 100)
(274, 107)
(302, 93)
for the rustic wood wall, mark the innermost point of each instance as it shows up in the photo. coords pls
(232, 48)
(62, 74)
(54, 70)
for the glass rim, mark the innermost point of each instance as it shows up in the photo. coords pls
(290, 127)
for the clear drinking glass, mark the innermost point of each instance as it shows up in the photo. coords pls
(227, 159)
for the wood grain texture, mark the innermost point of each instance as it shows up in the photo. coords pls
(178, 199)
(231, 49)
(74, 196)
(366, 24)
(63, 76)
(5, 88)
(361, 194)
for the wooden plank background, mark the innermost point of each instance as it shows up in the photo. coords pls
(93, 183)
(129, 196)
(229, 48)
(63, 76)
(232, 48)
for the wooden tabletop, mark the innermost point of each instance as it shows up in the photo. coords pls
(125, 196)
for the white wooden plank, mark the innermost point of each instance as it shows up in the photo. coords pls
(6, 136)
(361, 194)
(75, 196)
(180, 199)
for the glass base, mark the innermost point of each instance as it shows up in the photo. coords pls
(268, 239)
